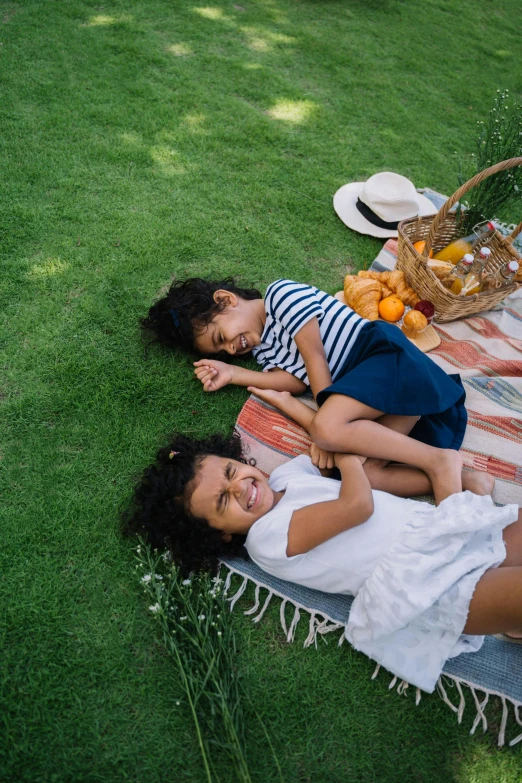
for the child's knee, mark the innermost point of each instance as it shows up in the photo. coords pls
(321, 434)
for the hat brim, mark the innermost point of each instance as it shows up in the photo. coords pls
(344, 203)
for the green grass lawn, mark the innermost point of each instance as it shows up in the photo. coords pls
(142, 139)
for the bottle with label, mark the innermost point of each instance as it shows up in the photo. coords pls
(503, 276)
(459, 247)
(455, 280)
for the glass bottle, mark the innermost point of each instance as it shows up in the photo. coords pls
(459, 247)
(473, 280)
(503, 276)
(483, 256)
(455, 280)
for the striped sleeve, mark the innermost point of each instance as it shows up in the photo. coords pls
(292, 305)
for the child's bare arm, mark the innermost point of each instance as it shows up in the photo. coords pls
(315, 524)
(214, 375)
(310, 346)
(302, 415)
(284, 402)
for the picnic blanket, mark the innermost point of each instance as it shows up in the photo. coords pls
(486, 350)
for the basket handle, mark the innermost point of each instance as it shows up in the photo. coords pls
(514, 234)
(476, 180)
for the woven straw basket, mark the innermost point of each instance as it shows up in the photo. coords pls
(438, 232)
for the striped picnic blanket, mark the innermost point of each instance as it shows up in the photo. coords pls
(486, 350)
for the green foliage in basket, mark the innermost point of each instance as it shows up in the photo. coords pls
(500, 138)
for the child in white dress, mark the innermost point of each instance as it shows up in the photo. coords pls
(426, 578)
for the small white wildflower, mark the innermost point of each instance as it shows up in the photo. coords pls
(178, 703)
(138, 549)
(154, 608)
(201, 617)
(183, 618)
(146, 579)
(186, 582)
(159, 577)
(216, 580)
(219, 633)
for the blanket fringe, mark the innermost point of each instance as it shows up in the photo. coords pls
(237, 595)
(256, 605)
(320, 624)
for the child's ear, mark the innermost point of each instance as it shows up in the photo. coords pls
(227, 537)
(226, 298)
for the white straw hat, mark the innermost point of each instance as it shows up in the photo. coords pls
(377, 206)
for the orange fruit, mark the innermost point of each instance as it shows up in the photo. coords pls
(419, 247)
(391, 308)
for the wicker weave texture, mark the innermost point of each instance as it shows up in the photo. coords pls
(438, 232)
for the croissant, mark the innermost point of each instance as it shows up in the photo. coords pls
(396, 282)
(369, 275)
(363, 296)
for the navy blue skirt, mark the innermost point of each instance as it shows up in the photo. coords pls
(386, 371)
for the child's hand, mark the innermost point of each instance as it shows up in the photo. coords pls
(213, 374)
(347, 459)
(324, 460)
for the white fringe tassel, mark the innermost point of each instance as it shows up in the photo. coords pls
(256, 598)
(312, 637)
(444, 696)
(325, 625)
(291, 632)
(282, 617)
(237, 595)
(261, 613)
(518, 739)
(480, 716)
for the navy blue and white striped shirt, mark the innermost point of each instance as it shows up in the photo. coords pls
(289, 306)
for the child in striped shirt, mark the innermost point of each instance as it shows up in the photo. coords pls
(372, 385)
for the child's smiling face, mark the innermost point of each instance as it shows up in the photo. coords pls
(236, 329)
(230, 495)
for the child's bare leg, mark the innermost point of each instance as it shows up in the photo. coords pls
(405, 481)
(496, 606)
(344, 424)
(513, 539)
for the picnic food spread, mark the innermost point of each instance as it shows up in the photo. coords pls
(414, 322)
(391, 308)
(374, 294)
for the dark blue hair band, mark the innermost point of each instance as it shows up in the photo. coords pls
(175, 317)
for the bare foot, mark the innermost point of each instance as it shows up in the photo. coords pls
(446, 474)
(478, 482)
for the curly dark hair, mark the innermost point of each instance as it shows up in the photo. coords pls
(160, 511)
(177, 318)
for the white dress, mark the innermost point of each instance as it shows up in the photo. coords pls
(413, 567)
